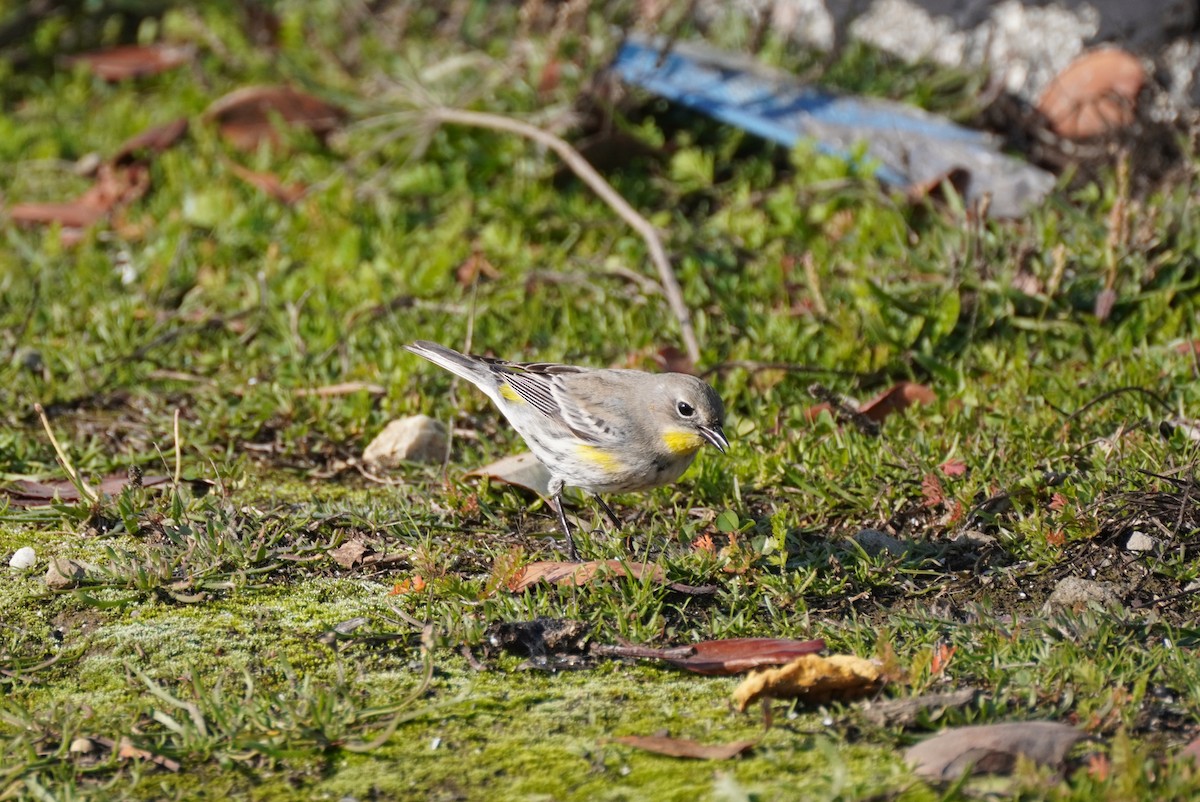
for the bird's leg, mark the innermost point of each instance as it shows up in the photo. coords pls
(616, 522)
(612, 516)
(557, 501)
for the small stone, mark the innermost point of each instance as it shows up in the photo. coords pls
(874, 543)
(973, 539)
(418, 438)
(1075, 593)
(24, 557)
(64, 573)
(1140, 541)
(81, 746)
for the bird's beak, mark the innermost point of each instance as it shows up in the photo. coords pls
(715, 436)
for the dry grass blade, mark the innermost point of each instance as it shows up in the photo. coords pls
(588, 174)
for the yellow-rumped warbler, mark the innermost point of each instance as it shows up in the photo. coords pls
(601, 430)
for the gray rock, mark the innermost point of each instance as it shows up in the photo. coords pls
(1076, 593)
(418, 438)
(1140, 541)
(874, 542)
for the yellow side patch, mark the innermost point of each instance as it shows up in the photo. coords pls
(680, 441)
(509, 394)
(597, 456)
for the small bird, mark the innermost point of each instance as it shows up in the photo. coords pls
(601, 430)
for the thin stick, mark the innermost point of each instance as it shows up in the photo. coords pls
(76, 479)
(178, 450)
(588, 174)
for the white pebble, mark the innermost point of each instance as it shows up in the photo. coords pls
(25, 557)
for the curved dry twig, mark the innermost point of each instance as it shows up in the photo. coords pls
(588, 174)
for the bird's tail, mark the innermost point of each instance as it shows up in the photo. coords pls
(468, 367)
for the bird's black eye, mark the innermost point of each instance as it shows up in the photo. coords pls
(685, 409)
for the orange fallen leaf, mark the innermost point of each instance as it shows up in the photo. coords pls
(1099, 767)
(134, 61)
(736, 655)
(569, 573)
(685, 747)
(897, 399)
(414, 584)
(931, 491)
(943, 653)
(953, 467)
(126, 751)
(246, 117)
(1095, 94)
(812, 678)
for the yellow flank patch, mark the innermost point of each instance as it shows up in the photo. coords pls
(597, 456)
(510, 394)
(679, 441)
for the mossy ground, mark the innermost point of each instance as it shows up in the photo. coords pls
(216, 630)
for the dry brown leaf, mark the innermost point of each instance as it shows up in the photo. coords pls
(519, 470)
(550, 77)
(992, 748)
(270, 184)
(126, 750)
(735, 655)
(672, 360)
(153, 140)
(26, 493)
(246, 117)
(115, 186)
(349, 554)
(1095, 94)
(897, 399)
(685, 747)
(134, 61)
(812, 678)
(73, 214)
(473, 268)
(569, 573)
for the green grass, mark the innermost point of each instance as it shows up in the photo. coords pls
(207, 631)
